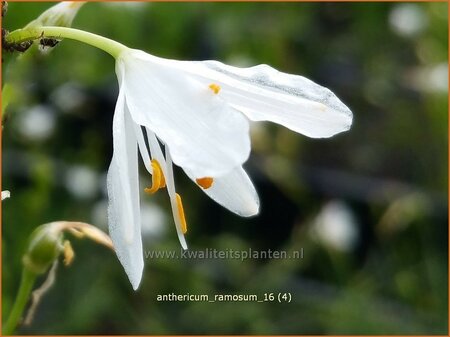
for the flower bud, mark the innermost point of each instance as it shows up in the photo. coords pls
(47, 243)
(43, 249)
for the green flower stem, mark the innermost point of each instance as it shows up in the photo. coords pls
(26, 285)
(112, 47)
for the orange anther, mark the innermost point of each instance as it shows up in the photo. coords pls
(158, 180)
(181, 214)
(205, 182)
(215, 88)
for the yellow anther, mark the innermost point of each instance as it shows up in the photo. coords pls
(215, 88)
(69, 254)
(158, 180)
(181, 214)
(205, 182)
(162, 182)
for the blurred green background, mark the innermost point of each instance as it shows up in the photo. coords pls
(369, 206)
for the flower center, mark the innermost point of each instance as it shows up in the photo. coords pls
(158, 180)
(215, 88)
(181, 214)
(205, 182)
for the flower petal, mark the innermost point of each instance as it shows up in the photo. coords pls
(203, 132)
(61, 14)
(234, 191)
(264, 93)
(123, 194)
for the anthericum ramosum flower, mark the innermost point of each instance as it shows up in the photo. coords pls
(198, 112)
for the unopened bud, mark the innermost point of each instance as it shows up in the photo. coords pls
(43, 249)
(47, 243)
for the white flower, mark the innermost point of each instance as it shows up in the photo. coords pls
(61, 14)
(336, 226)
(6, 194)
(199, 112)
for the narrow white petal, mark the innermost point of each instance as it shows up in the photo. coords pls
(234, 191)
(123, 194)
(120, 218)
(61, 14)
(263, 93)
(203, 132)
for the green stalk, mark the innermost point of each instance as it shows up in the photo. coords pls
(112, 47)
(26, 285)
(29, 34)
